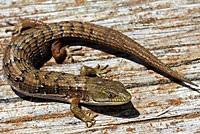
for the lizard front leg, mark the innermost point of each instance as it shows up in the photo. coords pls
(86, 71)
(93, 72)
(80, 114)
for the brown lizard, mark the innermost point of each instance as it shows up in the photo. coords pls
(34, 43)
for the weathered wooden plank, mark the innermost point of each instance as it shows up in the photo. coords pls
(169, 29)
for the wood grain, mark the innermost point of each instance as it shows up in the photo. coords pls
(170, 30)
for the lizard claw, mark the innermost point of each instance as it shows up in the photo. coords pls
(90, 123)
(72, 52)
(89, 120)
(101, 69)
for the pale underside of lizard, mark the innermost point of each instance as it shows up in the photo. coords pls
(34, 43)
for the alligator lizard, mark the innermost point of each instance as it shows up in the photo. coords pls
(34, 43)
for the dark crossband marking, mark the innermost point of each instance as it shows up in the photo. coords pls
(6, 64)
(36, 75)
(37, 90)
(22, 77)
(59, 77)
(19, 60)
(43, 36)
(46, 76)
(42, 85)
(61, 28)
(68, 81)
(10, 45)
(19, 48)
(27, 43)
(50, 31)
(57, 88)
(91, 32)
(70, 87)
(38, 48)
(71, 27)
(25, 70)
(8, 76)
(78, 85)
(82, 27)
(56, 80)
(19, 78)
(33, 36)
(36, 40)
(75, 78)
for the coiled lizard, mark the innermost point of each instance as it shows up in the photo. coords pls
(34, 43)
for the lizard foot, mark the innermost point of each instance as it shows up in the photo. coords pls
(60, 53)
(89, 120)
(97, 71)
(24, 24)
(101, 70)
(72, 52)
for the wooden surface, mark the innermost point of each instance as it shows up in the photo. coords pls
(169, 29)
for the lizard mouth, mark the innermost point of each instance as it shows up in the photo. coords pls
(111, 101)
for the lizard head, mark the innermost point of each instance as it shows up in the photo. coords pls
(106, 92)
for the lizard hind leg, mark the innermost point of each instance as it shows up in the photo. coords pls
(60, 53)
(24, 24)
(15, 30)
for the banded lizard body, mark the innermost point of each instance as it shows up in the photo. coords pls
(35, 43)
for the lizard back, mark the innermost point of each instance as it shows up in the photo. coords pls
(31, 49)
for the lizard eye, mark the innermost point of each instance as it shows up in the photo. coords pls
(111, 95)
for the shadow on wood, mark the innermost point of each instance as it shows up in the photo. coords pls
(126, 110)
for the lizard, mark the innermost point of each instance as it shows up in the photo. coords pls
(33, 43)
